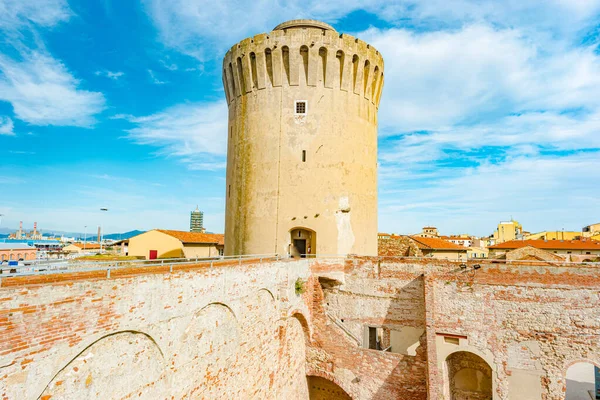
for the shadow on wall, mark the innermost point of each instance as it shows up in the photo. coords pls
(580, 381)
(379, 334)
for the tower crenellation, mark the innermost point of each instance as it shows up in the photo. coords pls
(303, 56)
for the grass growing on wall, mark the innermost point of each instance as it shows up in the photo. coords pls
(299, 286)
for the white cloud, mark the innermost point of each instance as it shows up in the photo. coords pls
(16, 13)
(109, 74)
(437, 79)
(6, 126)
(155, 80)
(205, 32)
(545, 192)
(195, 133)
(43, 92)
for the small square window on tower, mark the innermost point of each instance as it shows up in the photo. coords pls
(300, 107)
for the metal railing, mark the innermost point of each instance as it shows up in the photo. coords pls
(70, 266)
(41, 267)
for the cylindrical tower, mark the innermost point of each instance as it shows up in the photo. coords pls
(302, 142)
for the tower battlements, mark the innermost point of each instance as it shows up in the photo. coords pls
(303, 53)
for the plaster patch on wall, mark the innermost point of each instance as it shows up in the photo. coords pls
(345, 237)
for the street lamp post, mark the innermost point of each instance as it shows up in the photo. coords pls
(102, 229)
(84, 236)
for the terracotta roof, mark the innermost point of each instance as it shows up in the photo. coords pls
(586, 244)
(88, 246)
(428, 243)
(195, 237)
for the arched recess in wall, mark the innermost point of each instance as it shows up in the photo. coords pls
(285, 56)
(323, 65)
(366, 77)
(292, 361)
(379, 90)
(467, 376)
(242, 79)
(580, 379)
(261, 332)
(121, 364)
(232, 79)
(355, 61)
(269, 64)
(208, 348)
(254, 71)
(374, 84)
(340, 57)
(226, 86)
(303, 242)
(304, 58)
(320, 388)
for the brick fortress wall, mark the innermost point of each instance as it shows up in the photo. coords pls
(243, 331)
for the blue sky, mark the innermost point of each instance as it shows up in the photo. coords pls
(490, 110)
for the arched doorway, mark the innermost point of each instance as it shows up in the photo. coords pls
(469, 377)
(581, 381)
(323, 389)
(303, 243)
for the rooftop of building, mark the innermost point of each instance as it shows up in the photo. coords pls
(428, 243)
(16, 246)
(87, 246)
(195, 237)
(304, 23)
(583, 244)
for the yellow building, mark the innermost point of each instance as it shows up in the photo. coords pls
(82, 248)
(507, 230)
(553, 235)
(161, 243)
(302, 142)
(592, 230)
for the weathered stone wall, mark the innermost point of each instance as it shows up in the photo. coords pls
(242, 331)
(226, 332)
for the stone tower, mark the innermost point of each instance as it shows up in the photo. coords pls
(302, 142)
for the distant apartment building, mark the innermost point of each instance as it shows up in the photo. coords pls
(553, 235)
(197, 221)
(429, 231)
(591, 231)
(507, 231)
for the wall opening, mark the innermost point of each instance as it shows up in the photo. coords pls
(240, 70)
(303, 155)
(269, 62)
(285, 55)
(583, 382)
(254, 70)
(468, 377)
(324, 389)
(354, 71)
(323, 61)
(366, 78)
(340, 57)
(304, 56)
(303, 243)
(232, 80)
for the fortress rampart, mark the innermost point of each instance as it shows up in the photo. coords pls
(250, 330)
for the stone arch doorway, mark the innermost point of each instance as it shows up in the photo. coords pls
(468, 377)
(324, 389)
(582, 378)
(303, 242)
